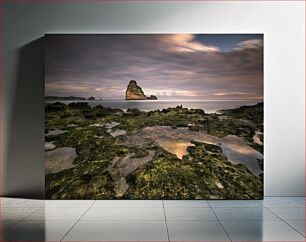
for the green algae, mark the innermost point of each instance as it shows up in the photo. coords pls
(204, 173)
(167, 177)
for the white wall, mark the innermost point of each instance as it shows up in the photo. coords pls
(282, 23)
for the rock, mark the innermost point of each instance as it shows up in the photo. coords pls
(133, 111)
(152, 97)
(59, 159)
(120, 187)
(118, 132)
(79, 105)
(56, 107)
(219, 185)
(91, 99)
(55, 132)
(134, 92)
(49, 145)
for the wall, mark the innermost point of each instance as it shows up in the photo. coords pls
(23, 92)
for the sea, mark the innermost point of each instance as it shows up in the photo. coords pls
(209, 106)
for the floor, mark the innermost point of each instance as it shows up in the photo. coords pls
(274, 219)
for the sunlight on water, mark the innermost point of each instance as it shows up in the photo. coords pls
(177, 147)
(177, 140)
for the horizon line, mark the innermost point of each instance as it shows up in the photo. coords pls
(167, 100)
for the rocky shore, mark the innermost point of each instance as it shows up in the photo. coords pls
(187, 160)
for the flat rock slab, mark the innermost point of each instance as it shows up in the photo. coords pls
(59, 159)
(49, 145)
(55, 132)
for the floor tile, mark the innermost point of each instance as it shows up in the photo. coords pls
(16, 213)
(69, 203)
(261, 231)
(57, 214)
(289, 213)
(196, 231)
(118, 231)
(7, 227)
(300, 200)
(39, 230)
(22, 203)
(298, 225)
(185, 203)
(8, 223)
(244, 214)
(189, 214)
(234, 203)
(124, 214)
(140, 220)
(128, 203)
(281, 202)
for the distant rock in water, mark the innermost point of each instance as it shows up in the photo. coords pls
(91, 99)
(134, 92)
(152, 97)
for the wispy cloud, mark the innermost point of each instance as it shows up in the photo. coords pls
(165, 93)
(186, 43)
(169, 66)
(230, 93)
(250, 44)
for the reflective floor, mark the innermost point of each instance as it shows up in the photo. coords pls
(274, 219)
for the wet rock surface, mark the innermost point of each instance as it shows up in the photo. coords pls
(175, 153)
(59, 159)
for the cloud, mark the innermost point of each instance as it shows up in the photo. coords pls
(102, 66)
(239, 95)
(163, 93)
(82, 89)
(187, 43)
(230, 93)
(250, 44)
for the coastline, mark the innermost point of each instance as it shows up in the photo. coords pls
(209, 106)
(103, 150)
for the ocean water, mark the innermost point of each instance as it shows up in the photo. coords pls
(209, 106)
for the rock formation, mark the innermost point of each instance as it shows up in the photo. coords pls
(152, 97)
(134, 92)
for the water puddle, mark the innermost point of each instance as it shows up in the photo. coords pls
(177, 140)
(177, 147)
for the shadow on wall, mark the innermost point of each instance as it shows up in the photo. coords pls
(28, 230)
(25, 154)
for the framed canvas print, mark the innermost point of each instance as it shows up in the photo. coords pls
(154, 116)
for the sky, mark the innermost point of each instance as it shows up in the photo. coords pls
(170, 66)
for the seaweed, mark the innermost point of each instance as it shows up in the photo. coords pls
(203, 173)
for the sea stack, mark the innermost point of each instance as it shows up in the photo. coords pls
(134, 92)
